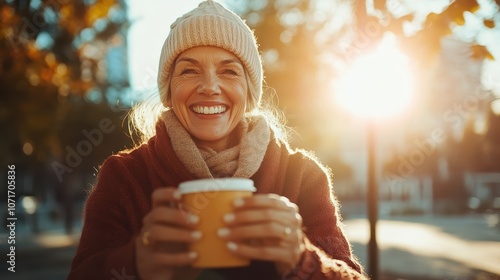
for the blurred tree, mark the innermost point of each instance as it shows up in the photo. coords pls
(55, 55)
(304, 42)
(372, 21)
(63, 69)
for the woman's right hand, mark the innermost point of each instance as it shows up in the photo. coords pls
(161, 249)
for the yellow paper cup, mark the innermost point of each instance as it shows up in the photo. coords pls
(210, 200)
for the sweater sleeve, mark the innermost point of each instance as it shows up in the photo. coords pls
(107, 248)
(328, 253)
(315, 264)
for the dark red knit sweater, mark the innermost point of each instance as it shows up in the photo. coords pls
(122, 197)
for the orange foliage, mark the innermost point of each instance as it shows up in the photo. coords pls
(481, 52)
(489, 23)
(46, 70)
(425, 44)
(98, 10)
(33, 52)
(7, 14)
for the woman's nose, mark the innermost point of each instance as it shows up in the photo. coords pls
(209, 84)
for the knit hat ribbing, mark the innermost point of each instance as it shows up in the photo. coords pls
(210, 24)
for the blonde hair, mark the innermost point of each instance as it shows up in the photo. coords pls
(143, 117)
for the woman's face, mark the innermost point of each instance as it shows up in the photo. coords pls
(208, 91)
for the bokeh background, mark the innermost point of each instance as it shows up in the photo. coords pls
(426, 74)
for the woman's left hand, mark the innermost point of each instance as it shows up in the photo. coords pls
(265, 227)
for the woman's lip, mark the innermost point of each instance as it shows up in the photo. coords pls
(208, 104)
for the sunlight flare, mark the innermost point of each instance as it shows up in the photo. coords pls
(379, 84)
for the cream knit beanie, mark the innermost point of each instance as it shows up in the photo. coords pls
(210, 24)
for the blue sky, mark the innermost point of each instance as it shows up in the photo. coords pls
(151, 21)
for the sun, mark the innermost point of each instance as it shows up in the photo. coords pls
(377, 85)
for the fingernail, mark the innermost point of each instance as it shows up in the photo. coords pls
(177, 195)
(223, 232)
(196, 234)
(232, 246)
(238, 202)
(192, 255)
(193, 219)
(228, 218)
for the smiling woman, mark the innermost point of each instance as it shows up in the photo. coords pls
(377, 85)
(212, 125)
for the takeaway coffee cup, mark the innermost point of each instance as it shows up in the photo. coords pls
(210, 200)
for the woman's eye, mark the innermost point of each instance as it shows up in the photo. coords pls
(188, 71)
(231, 72)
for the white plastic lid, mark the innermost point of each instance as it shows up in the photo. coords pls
(221, 184)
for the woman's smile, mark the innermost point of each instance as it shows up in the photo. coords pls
(209, 110)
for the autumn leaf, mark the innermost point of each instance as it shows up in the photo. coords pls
(466, 5)
(7, 13)
(396, 25)
(379, 4)
(66, 12)
(480, 52)
(80, 87)
(455, 12)
(33, 52)
(489, 23)
(98, 10)
(489, 56)
(460, 20)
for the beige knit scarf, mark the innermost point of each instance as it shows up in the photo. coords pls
(240, 161)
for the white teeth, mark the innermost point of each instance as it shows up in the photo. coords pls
(209, 110)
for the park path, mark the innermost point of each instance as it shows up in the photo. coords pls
(458, 247)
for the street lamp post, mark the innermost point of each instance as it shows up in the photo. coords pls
(372, 202)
